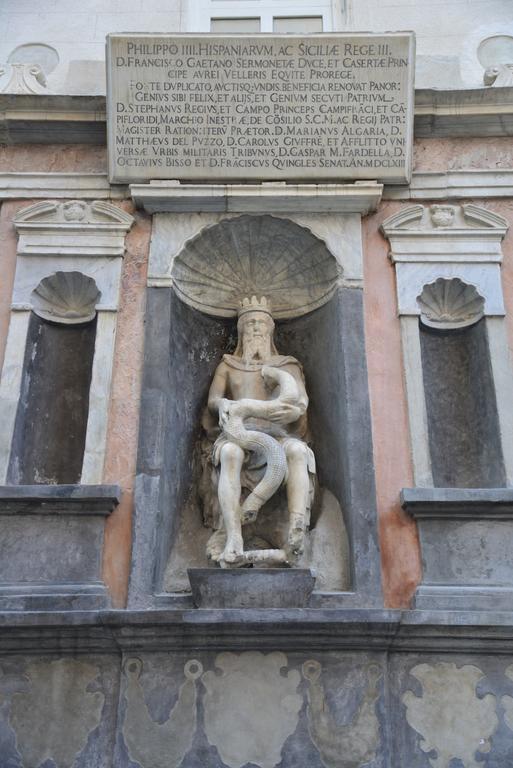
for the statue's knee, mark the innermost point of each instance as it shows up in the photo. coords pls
(231, 455)
(296, 451)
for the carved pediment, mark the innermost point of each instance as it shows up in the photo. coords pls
(443, 219)
(73, 213)
(72, 228)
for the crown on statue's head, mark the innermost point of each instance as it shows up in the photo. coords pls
(254, 305)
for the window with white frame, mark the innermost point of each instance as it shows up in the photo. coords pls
(252, 16)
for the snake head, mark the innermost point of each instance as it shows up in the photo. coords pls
(269, 375)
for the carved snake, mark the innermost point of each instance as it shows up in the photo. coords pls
(231, 419)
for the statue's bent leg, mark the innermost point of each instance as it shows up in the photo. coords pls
(229, 490)
(298, 495)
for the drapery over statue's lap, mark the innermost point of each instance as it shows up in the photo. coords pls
(259, 400)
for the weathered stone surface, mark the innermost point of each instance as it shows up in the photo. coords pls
(51, 546)
(310, 708)
(60, 711)
(251, 588)
(160, 743)
(255, 690)
(447, 711)
(260, 108)
(466, 537)
(462, 419)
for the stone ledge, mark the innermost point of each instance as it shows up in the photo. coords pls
(61, 119)
(59, 499)
(247, 629)
(458, 503)
(465, 597)
(463, 113)
(454, 185)
(268, 197)
(61, 597)
(46, 185)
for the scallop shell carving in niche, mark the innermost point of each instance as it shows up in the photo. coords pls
(447, 304)
(66, 297)
(255, 255)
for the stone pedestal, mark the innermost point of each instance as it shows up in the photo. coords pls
(251, 587)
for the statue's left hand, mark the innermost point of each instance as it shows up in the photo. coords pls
(226, 409)
(223, 410)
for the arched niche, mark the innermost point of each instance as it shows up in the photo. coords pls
(190, 325)
(51, 420)
(462, 419)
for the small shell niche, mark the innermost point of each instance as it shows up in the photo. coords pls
(66, 297)
(450, 304)
(255, 255)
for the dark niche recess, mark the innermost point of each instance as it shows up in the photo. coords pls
(183, 348)
(463, 425)
(51, 421)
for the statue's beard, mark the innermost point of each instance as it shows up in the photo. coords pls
(256, 349)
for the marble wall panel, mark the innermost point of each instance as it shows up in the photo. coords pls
(58, 711)
(229, 710)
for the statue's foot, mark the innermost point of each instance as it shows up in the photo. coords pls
(234, 549)
(248, 516)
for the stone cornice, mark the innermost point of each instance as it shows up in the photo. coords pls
(59, 499)
(451, 185)
(454, 185)
(458, 503)
(61, 119)
(273, 197)
(247, 629)
(86, 186)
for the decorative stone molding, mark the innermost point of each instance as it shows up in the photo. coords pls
(449, 304)
(73, 228)
(454, 185)
(449, 241)
(85, 186)
(45, 118)
(269, 197)
(495, 54)
(23, 78)
(171, 233)
(66, 297)
(500, 75)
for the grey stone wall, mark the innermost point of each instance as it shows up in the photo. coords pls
(287, 689)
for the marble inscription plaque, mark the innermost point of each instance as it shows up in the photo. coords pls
(284, 107)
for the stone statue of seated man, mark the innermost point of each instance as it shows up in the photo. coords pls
(259, 400)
